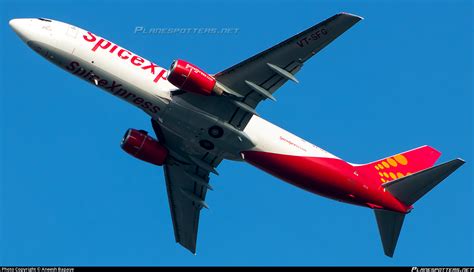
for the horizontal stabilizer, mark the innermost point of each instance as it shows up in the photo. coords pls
(389, 223)
(410, 188)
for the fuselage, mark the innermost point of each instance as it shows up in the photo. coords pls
(143, 84)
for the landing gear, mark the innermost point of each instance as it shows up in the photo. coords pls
(206, 144)
(215, 132)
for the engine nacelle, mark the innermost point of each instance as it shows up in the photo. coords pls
(142, 146)
(190, 78)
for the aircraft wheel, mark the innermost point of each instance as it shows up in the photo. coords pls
(215, 132)
(206, 144)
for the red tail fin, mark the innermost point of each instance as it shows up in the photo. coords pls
(400, 165)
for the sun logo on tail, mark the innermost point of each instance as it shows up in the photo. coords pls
(387, 169)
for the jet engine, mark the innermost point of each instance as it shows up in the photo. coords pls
(142, 146)
(190, 78)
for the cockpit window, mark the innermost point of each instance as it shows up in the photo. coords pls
(44, 19)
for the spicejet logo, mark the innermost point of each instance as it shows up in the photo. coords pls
(139, 62)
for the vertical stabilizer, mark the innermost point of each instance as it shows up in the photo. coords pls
(400, 165)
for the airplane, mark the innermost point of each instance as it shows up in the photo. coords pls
(201, 119)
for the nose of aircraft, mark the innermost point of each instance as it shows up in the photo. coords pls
(21, 28)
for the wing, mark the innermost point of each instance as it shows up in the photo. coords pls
(187, 182)
(186, 198)
(258, 77)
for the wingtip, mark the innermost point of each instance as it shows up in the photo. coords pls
(461, 160)
(191, 249)
(352, 15)
(458, 162)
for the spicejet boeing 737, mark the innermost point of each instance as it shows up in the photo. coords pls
(201, 119)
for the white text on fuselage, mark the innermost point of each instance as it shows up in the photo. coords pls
(117, 51)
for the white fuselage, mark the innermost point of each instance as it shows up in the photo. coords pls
(143, 84)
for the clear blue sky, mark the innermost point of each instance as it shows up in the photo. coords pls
(399, 79)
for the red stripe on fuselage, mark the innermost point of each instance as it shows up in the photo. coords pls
(329, 177)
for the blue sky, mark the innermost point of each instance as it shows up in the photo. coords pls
(399, 79)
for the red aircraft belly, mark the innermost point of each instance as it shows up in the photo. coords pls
(329, 177)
